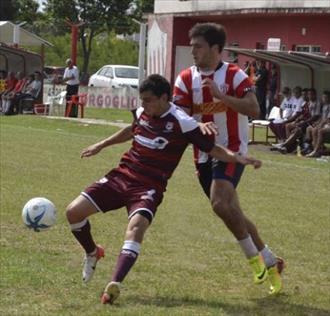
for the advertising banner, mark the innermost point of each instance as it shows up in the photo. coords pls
(114, 98)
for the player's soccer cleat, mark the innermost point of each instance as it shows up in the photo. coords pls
(90, 263)
(259, 269)
(110, 293)
(274, 276)
(280, 264)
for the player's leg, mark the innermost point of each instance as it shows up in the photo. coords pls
(141, 202)
(77, 214)
(204, 171)
(224, 204)
(136, 229)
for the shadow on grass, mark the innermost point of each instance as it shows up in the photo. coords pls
(278, 305)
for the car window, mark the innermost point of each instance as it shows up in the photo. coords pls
(123, 72)
(103, 71)
(109, 72)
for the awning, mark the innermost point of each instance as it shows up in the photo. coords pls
(15, 59)
(309, 70)
(25, 38)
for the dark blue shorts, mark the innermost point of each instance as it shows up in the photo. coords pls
(209, 170)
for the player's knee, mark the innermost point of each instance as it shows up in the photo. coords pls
(72, 213)
(220, 207)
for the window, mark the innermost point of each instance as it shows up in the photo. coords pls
(124, 72)
(308, 48)
(316, 49)
(103, 71)
(109, 72)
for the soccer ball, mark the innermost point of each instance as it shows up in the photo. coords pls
(39, 214)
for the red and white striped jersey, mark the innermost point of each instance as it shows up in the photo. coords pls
(189, 94)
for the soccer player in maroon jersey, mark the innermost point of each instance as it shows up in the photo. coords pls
(216, 91)
(160, 132)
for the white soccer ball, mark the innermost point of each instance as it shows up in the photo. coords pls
(39, 214)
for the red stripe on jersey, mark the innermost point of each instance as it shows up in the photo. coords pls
(183, 98)
(232, 116)
(207, 97)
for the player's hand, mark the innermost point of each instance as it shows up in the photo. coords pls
(208, 128)
(90, 151)
(245, 160)
(207, 82)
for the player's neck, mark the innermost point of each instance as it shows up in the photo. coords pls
(212, 66)
(163, 110)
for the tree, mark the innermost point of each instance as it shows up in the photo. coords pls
(98, 16)
(8, 10)
(19, 10)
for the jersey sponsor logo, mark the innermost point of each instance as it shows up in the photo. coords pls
(224, 87)
(144, 122)
(149, 195)
(169, 127)
(156, 143)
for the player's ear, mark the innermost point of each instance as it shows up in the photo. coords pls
(164, 97)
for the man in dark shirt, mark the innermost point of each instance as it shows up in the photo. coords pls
(161, 133)
(261, 85)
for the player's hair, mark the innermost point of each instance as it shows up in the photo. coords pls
(327, 93)
(156, 84)
(214, 34)
(312, 90)
(286, 90)
(297, 88)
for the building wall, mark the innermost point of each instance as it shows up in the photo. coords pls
(176, 6)
(247, 31)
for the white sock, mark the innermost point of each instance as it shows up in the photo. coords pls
(269, 257)
(249, 248)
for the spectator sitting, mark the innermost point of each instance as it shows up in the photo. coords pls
(300, 114)
(10, 84)
(9, 97)
(320, 132)
(2, 85)
(2, 81)
(32, 91)
(277, 126)
(309, 114)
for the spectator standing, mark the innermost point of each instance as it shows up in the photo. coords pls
(272, 88)
(261, 81)
(71, 77)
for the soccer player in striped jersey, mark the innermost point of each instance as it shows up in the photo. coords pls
(160, 132)
(216, 91)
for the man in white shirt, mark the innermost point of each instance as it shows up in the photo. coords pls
(71, 77)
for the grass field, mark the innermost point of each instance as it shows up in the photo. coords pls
(189, 264)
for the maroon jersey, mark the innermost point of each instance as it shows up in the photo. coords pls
(158, 145)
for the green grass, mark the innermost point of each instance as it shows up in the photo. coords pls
(189, 264)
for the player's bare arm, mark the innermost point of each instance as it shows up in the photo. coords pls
(226, 155)
(121, 136)
(248, 105)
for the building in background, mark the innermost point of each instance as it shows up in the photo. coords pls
(281, 26)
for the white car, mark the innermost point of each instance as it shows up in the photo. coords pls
(115, 76)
